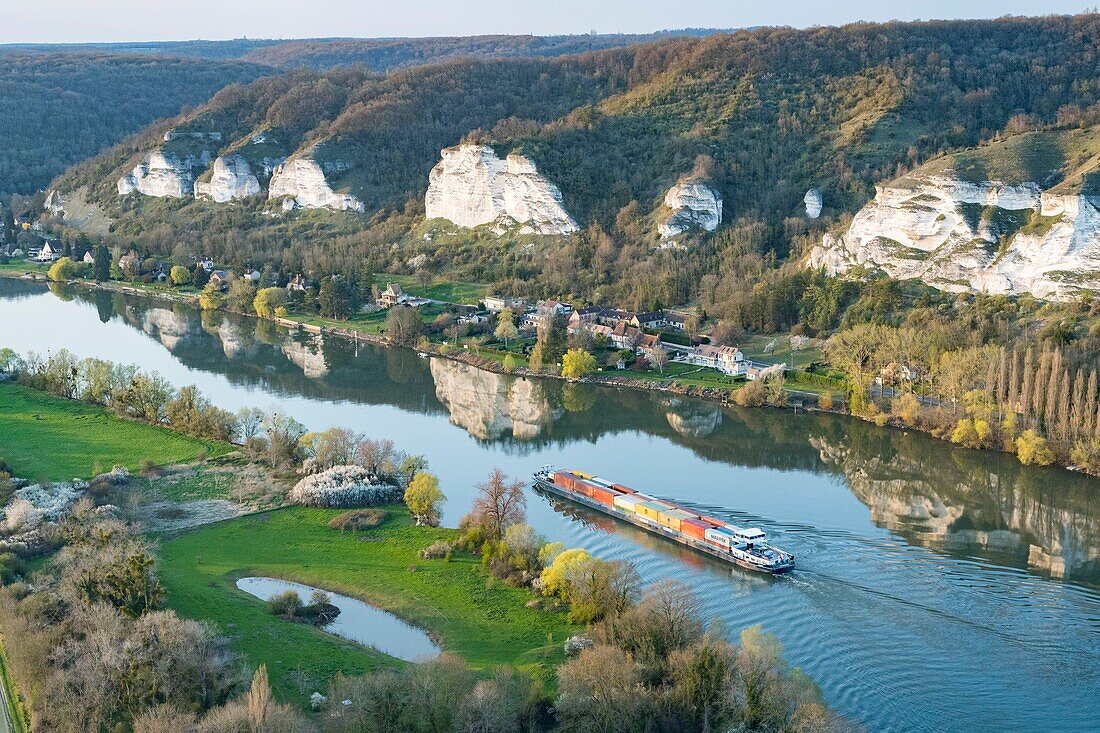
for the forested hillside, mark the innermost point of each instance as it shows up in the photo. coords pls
(59, 109)
(766, 114)
(383, 54)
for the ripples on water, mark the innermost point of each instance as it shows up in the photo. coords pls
(923, 599)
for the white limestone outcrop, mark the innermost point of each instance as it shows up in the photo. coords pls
(988, 237)
(471, 186)
(695, 204)
(813, 202)
(302, 180)
(164, 174)
(233, 178)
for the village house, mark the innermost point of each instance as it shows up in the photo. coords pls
(584, 315)
(88, 258)
(207, 264)
(726, 359)
(392, 295)
(649, 320)
(50, 251)
(297, 283)
(253, 275)
(554, 306)
(677, 321)
(497, 303)
(220, 279)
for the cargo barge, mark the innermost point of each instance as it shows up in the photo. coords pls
(746, 548)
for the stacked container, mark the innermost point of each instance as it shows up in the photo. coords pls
(627, 502)
(695, 528)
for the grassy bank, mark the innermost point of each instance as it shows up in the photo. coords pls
(47, 438)
(14, 709)
(486, 623)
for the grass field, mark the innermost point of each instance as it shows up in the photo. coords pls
(46, 438)
(484, 622)
(466, 293)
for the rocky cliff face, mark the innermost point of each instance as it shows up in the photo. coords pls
(163, 173)
(233, 178)
(695, 204)
(471, 186)
(302, 180)
(988, 236)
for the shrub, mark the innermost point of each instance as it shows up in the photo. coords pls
(342, 487)
(825, 402)
(1032, 449)
(358, 520)
(288, 603)
(436, 550)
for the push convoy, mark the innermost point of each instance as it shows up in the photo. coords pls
(746, 548)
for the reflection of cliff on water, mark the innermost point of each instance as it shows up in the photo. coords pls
(971, 502)
(488, 405)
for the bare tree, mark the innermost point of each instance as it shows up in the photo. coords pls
(500, 504)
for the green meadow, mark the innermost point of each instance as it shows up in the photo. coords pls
(469, 614)
(47, 438)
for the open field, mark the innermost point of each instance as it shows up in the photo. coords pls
(47, 438)
(484, 622)
(465, 293)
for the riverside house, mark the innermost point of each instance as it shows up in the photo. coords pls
(726, 359)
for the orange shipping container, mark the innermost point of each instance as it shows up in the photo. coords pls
(623, 489)
(604, 496)
(696, 528)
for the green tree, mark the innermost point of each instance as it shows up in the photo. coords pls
(506, 326)
(62, 270)
(577, 363)
(423, 498)
(211, 298)
(403, 325)
(102, 263)
(268, 300)
(1033, 450)
(179, 275)
(241, 294)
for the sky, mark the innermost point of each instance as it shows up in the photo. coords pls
(73, 21)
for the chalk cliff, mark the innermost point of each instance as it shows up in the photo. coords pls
(233, 178)
(471, 186)
(302, 180)
(989, 236)
(695, 204)
(164, 174)
(1018, 216)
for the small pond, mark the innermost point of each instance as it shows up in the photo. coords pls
(358, 621)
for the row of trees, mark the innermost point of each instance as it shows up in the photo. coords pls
(1014, 398)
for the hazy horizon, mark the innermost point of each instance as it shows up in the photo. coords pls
(77, 21)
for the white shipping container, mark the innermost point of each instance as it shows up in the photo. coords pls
(627, 502)
(718, 536)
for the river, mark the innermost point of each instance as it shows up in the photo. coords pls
(938, 589)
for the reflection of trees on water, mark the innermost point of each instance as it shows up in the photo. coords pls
(971, 502)
(919, 487)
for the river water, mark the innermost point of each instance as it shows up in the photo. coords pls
(938, 589)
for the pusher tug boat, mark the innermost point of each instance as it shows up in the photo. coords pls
(746, 548)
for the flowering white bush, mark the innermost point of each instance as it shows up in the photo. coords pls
(342, 487)
(32, 505)
(577, 643)
(20, 515)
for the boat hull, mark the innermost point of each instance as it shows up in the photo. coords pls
(657, 529)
